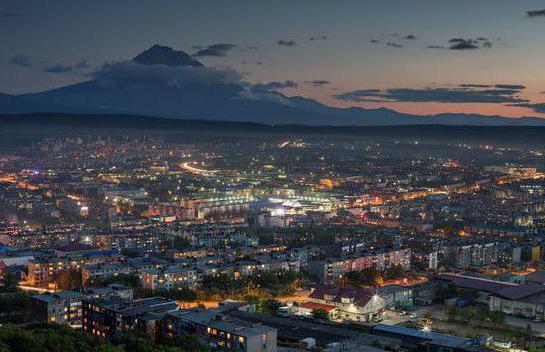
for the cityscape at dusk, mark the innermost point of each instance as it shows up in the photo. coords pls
(272, 176)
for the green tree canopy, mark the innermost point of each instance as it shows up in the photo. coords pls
(9, 282)
(320, 314)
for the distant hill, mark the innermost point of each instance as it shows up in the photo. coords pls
(169, 83)
(44, 124)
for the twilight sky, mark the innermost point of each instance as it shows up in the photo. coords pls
(414, 56)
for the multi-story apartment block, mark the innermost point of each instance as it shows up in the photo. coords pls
(221, 331)
(334, 269)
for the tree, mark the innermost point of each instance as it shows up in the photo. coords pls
(482, 314)
(470, 294)
(69, 279)
(15, 307)
(221, 285)
(180, 243)
(129, 280)
(365, 277)
(9, 282)
(180, 294)
(320, 314)
(528, 331)
(276, 282)
(59, 338)
(443, 292)
(496, 317)
(187, 342)
(468, 313)
(394, 272)
(130, 252)
(269, 306)
(251, 299)
(453, 312)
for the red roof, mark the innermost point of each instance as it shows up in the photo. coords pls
(357, 296)
(312, 306)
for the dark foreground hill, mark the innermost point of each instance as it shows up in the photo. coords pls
(49, 123)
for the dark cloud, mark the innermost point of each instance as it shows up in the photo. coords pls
(259, 63)
(20, 61)
(318, 82)
(469, 43)
(217, 50)
(57, 68)
(475, 85)
(510, 86)
(394, 45)
(375, 41)
(463, 44)
(435, 47)
(286, 42)
(130, 72)
(62, 68)
(410, 37)
(320, 37)
(267, 96)
(538, 107)
(82, 65)
(274, 85)
(535, 13)
(10, 14)
(467, 93)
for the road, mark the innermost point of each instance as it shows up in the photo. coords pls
(195, 170)
(34, 289)
(300, 297)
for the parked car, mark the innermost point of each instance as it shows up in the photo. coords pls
(377, 319)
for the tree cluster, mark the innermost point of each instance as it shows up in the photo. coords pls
(58, 338)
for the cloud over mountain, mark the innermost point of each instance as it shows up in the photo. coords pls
(537, 107)
(164, 55)
(464, 93)
(217, 50)
(20, 61)
(274, 85)
(130, 72)
(62, 68)
(165, 82)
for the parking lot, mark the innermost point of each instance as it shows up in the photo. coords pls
(394, 318)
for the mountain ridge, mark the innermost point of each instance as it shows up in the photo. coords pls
(170, 83)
